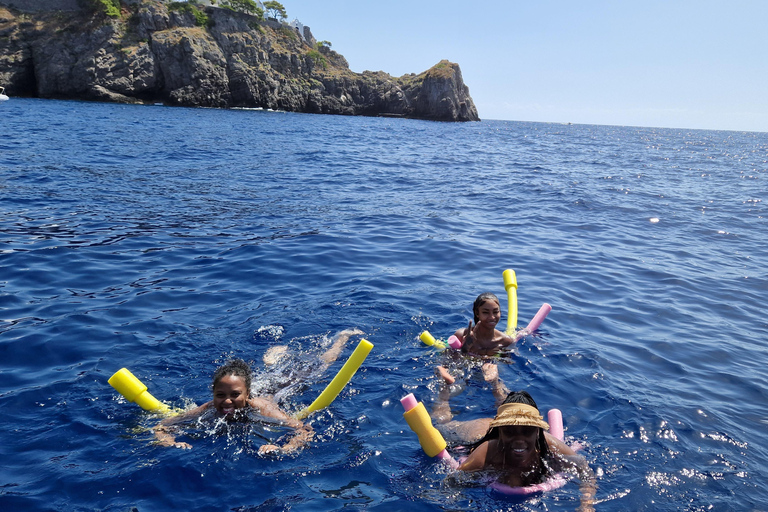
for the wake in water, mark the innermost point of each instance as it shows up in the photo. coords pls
(289, 373)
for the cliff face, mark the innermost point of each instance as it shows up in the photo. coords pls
(153, 54)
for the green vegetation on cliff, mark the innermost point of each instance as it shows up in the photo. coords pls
(201, 19)
(106, 7)
(275, 10)
(244, 6)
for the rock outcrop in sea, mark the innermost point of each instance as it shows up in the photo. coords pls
(208, 57)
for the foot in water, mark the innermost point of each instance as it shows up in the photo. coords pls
(338, 344)
(442, 372)
(273, 355)
(491, 376)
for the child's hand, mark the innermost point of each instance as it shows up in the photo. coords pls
(171, 443)
(469, 338)
(269, 449)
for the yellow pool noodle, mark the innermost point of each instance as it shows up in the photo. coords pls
(341, 379)
(427, 338)
(135, 391)
(510, 284)
(430, 439)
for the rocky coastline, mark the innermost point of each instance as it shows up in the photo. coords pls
(153, 53)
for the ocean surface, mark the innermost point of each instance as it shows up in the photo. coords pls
(167, 240)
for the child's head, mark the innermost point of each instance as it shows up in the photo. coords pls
(231, 387)
(481, 300)
(236, 367)
(519, 411)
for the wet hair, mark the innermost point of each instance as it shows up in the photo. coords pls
(482, 299)
(519, 397)
(236, 367)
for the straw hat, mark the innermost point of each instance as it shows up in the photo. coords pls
(518, 414)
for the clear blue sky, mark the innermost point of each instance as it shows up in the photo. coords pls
(679, 64)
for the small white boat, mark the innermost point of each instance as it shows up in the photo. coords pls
(3, 97)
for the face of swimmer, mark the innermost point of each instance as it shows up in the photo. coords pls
(489, 313)
(519, 442)
(229, 394)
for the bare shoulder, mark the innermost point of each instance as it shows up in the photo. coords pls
(187, 415)
(557, 446)
(269, 408)
(477, 459)
(262, 404)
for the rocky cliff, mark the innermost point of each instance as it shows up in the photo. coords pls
(210, 57)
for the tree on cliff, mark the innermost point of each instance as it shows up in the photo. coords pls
(108, 7)
(276, 10)
(246, 6)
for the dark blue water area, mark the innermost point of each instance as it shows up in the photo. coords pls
(167, 240)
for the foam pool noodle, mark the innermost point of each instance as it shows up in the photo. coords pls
(430, 340)
(510, 284)
(430, 439)
(555, 420)
(341, 379)
(539, 318)
(135, 391)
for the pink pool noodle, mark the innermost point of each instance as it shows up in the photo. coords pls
(454, 342)
(539, 318)
(409, 402)
(555, 420)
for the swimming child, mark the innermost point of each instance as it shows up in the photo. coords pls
(483, 340)
(516, 445)
(233, 401)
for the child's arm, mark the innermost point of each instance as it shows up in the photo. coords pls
(270, 409)
(577, 464)
(476, 460)
(506, 340)
(164, 430)
(300, 438)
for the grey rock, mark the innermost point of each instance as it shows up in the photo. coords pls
(153, 54)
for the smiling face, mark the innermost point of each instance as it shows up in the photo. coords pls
(519, 444)
(229, 394)
(488, 313)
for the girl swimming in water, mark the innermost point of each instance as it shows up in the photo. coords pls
(514, 444)
(233, 401)
(483, 339)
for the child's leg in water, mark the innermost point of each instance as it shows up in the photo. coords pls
(273, 355)
(338, 344)
(441, 412)
(447, 377)
(491, 376)
(455, 432)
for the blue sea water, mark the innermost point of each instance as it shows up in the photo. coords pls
(167, 240)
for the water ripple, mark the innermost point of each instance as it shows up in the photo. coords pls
(192, 235)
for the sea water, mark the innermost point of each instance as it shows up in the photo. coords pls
(168, 240)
